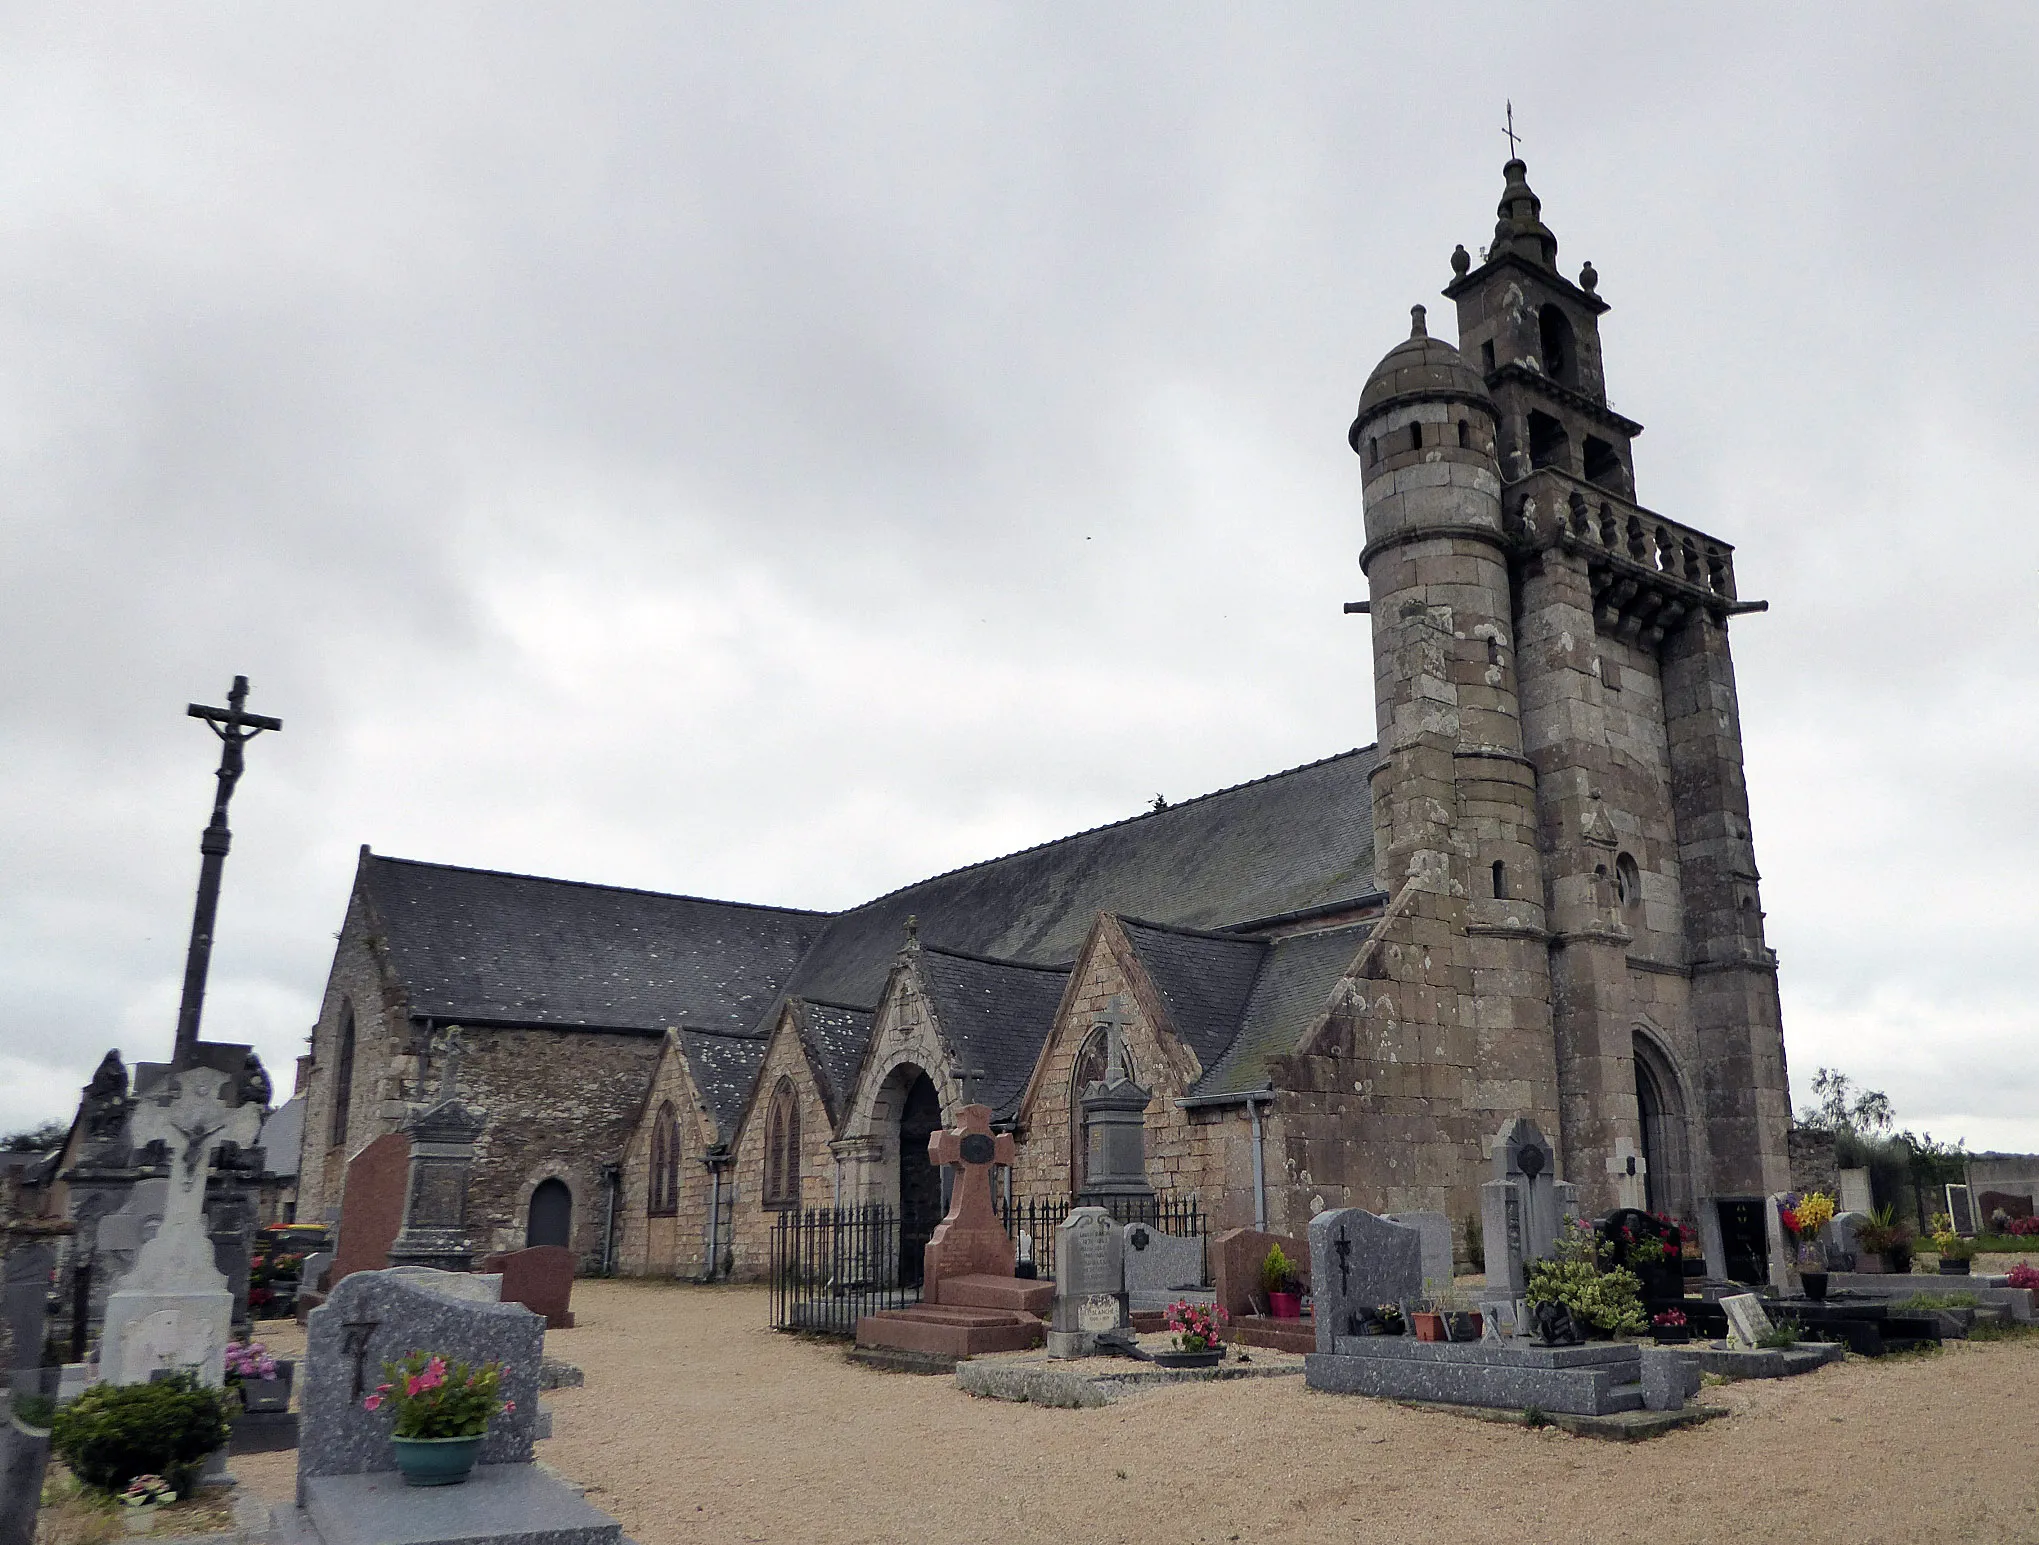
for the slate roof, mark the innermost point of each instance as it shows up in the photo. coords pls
(1204, 978)
(836, 1034)
(723, 1068)
(1299, 839)
(491, 948)
(995, 1014)
(1291, 990)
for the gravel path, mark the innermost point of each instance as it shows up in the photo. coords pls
(700, 1424)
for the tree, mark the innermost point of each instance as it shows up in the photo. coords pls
(1843, 1112)
(36, 1139)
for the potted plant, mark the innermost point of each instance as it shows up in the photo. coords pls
(1606, 1303)
(1382, 1320)
(145, 1496)
(1428, 1321)
(1670, 1328)
(442, 1415)
(1284, 1290)
(1198, 1337)
(1875, 1238)
(1460, 1321)
(262, 1382)
(1955, 1252)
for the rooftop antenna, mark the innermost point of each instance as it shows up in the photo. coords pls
(1510, 131)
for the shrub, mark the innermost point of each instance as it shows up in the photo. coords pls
(1277, 1272)
(113, 1433)
(1607, 1300)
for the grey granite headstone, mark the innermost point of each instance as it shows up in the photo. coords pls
(1664, 1376)
(1435, 1229)
(1523, 1208)
(1090, 1281)
(24, 1302)
(1783, 1263)
(1357, 1262)
(1161, 1263)
(375, 1317)
(24, 1455)
(1842, 1247)
(315, 1266)
(1747, 1324)
(472, 1287)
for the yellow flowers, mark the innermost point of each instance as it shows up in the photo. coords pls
(1815, 1212)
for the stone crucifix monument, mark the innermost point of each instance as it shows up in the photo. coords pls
(174, 1309)
(1115, 1125)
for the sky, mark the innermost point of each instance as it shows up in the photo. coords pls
(782, 453)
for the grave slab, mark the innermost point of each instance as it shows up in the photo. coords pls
(1483, 1373)
(517, 1504)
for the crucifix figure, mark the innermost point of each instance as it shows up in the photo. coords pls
(448, 1046)
(192, 1118)
(235, 728)
(1344, 1250)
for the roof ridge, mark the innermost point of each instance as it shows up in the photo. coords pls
(597, 885)
(1144, 815)
(1217, 935)
(830, 1003)
(719, 1034)
(991, 960)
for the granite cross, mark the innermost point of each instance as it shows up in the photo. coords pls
(1629, 1170)
(973, 1150)
(192, 1118)
(1114, 1020)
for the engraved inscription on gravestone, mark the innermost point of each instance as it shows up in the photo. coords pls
(1097, 1313)
(439, 1196)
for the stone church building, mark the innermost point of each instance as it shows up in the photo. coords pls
(1536, 895)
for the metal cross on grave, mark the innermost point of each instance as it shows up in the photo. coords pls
(1631, 1175)
(192, 1118)
(1344, 1250)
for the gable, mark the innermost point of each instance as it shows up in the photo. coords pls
(995, 1015)
(1204, 981)
(1291, 993)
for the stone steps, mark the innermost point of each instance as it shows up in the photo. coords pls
(1015, 1295)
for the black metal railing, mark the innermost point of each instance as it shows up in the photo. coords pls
(833, 1265)
(1038, 1218)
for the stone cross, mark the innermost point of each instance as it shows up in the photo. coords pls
(1630, 1171)
(449, 1046)
(192, 1117)
(969, 1241)
(1114, 1019)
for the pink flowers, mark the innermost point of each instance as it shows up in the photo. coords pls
(372, 1403)
(437, 1397)
(249, 1360)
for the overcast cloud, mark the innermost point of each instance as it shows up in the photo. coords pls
(780, 454)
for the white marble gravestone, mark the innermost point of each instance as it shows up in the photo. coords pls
(174, 1309)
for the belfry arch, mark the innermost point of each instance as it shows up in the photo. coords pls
(1666, 1134)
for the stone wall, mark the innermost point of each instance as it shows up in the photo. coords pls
(674, 1244)
(1812, 1162)
(751, 1223)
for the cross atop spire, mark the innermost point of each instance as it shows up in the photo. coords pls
(1510, 132)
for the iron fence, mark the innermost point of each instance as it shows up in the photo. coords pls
(1033, 1222)
(832, 1265)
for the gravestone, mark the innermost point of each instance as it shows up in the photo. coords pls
(1090, 1282)
(1853, 1185)
(434, 1231)
(1158, 1263)
(1435, 1230)
(174, 1309)
(1358, 1262)
(1733, 1239)
(1747, 1324)
(1839, 1236)
(1780, 1250)
(1631, 1176)
(969, 1241)
(1523, 1208)
(372, 1205)
(1115, 1125)
(24, 1457)
(1667, 1378)
(540, 1278)
(1961, 1208)
(377, 1316)
(2012, 1204)
(31, 1261)
(1236, 1258)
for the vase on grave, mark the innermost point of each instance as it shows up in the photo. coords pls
(1815, 1283)
(437, 1461)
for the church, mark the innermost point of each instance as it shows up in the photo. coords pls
(1536, 895)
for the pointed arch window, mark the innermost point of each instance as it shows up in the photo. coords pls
(782, 1148)
(664, 1197)
(343, 1075)
(1088, 1069)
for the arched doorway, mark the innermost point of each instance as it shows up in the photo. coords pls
(920, 1181)
(551, 1220)
(1661, 1107)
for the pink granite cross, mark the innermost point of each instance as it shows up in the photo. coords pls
(970, 1241)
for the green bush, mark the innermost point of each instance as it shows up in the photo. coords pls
(34, 1410)
(1609, 1301)
(112, 1433)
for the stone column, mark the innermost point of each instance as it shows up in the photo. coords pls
(434, 1231)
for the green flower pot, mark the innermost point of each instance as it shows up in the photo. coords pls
(436, 1461)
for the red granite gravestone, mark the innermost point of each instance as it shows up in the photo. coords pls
(2009, 1203)
(372, 1206)
(1236, 1258)
(540, 1278)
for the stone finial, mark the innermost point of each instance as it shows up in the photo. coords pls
(913, 929)
(1417, 329)
(1589, 277)
(1461, 260)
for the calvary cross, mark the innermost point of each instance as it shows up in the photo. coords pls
(191, 1118)
(972, 1150)
(235, 727)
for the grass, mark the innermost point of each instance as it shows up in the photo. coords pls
(2002, 1330)
(73, 1513)
(1961, 1300)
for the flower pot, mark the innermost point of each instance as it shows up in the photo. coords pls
(1868, 1261)
(1429, 1327)
(1668, 1337)
(1285, 1306)
(1951, 1268)
(268, 1395)
(1207, 1359)
(1815, 1284)
(436, 1461)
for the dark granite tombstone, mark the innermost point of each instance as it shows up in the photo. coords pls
(372, 1206)
(1961, 1208)
(540, 1278)
(1744, 1237)
(1627, 1233)
(2012, 1204)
